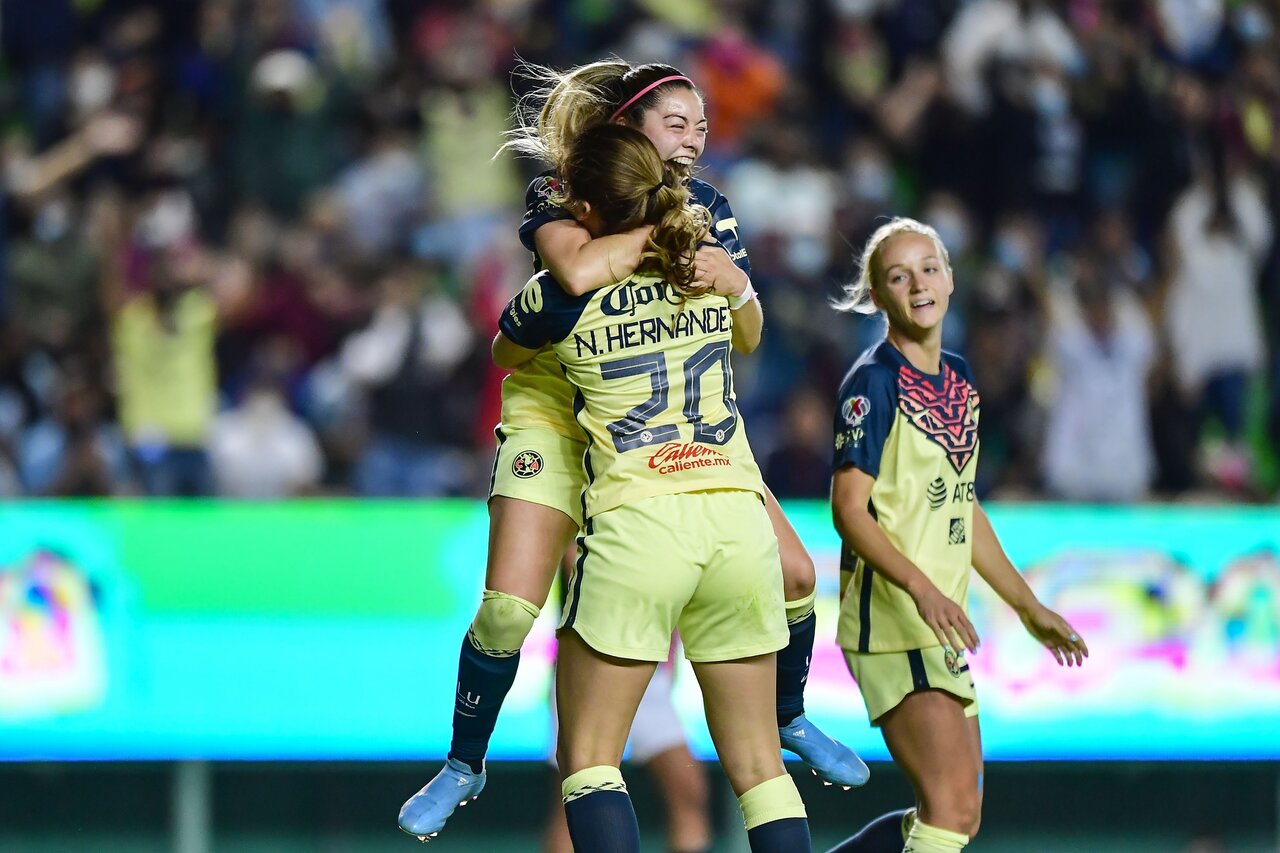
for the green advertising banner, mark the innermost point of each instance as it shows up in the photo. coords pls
(330, 629)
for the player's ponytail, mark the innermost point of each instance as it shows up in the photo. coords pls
(856, 294)
(561, 105)
(617, 171)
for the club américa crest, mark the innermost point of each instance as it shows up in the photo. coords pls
(953, 662)
(528, 463)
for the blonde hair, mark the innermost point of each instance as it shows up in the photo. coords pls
(857, 293)
(562, 104)
(616, 170)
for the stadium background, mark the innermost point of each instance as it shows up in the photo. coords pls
(310, 183)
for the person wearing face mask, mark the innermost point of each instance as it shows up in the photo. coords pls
(538, 478)
(902, 499)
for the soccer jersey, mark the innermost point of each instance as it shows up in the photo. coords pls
(654, 387)
(917, 434)
(538, 395)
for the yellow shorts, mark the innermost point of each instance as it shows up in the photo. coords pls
(886, 678)
(703, 562)
(540, 466)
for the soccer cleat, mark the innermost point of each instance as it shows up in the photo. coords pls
(830, 760)
(425, 813)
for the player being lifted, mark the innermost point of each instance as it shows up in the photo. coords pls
(906, 449)
(676, 533)
(534, 504)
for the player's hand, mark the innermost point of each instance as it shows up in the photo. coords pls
(715, 272)
(947, 619)
(1055, 634)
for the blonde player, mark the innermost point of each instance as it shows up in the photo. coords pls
(676, 533)
(902, 495)
(534, 505)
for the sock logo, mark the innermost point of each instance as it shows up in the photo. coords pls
(528, 463)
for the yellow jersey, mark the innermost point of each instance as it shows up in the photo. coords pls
(167, 378)
(538, 395)
(653, 386)
(917, 435)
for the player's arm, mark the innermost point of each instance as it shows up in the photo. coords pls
(581, 263)
(995, 567)
(850, 501)
(508, 354)
(716, 271)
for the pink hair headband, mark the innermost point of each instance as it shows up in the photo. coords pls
(646, 90)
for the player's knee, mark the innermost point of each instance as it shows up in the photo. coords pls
(954, 809)
(799, 578)
(502, 622)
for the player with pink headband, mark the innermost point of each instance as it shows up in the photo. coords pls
(535, 494)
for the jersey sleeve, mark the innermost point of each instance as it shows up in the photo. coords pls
(538, 207)
(724, 228)
(541, 313)
(865, 411)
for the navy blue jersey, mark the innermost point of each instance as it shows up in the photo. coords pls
(539, 210)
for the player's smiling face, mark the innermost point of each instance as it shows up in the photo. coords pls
(912, 283)
(677, 126)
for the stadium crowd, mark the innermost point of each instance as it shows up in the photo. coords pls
(258, 249)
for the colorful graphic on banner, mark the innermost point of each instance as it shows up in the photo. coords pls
(142, 630)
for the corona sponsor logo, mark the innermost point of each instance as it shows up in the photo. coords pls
(685, 456)
(623, 299)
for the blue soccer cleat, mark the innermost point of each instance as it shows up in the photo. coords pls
(425, 812)
(831, 761)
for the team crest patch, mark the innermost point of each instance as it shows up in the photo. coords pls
(548, 187)
(953, 662)
(528, 463)
(947, 415)
(855, 409)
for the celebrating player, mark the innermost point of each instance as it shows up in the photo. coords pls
(676, 533)
(534, 505)
(906, 451)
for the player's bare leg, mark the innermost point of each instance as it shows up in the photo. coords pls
(526, 541)
(596, 701)
(940, 752)
(740, 716)
(683, 784)
(831, 761)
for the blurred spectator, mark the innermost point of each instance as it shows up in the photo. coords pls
(74, 451)
(312, 182)
(1100, 348)
(53, 275)
(407, 359)
(1003, 31)
(1219, 233)
(162, 340)
(260, 449)
(800, 466)
(287, 139)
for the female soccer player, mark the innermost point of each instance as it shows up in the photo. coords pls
(906, 449)
(676, 532)
(534, 506)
